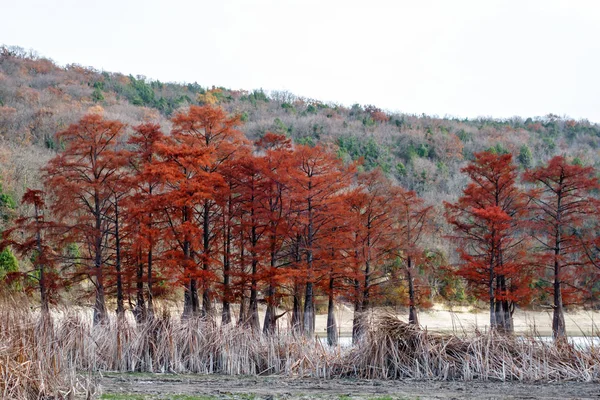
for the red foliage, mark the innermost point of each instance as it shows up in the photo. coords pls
(561, 205)
(486, 222)
(82, 180)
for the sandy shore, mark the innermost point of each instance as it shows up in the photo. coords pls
(437, 319)
(461, 319)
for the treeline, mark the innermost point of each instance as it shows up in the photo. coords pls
(204, 212)
(423, 153)
(225, 219)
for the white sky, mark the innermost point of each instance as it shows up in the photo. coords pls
(461, 58)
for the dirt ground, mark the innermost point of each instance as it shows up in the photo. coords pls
(221, 387)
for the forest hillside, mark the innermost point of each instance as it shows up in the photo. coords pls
(423, 153)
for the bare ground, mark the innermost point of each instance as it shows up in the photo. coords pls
(221, 387)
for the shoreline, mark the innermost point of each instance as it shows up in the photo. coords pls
(459, 321)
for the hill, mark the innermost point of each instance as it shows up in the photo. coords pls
(423, 153)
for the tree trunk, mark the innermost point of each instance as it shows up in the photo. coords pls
(296, 311)
(357, 317)
(226, 311)
(491, 282)
(297, 306)
(150, 309)
(100, 315)
(253, 321)
(120, 297)
(140, 306)
(190, 295)
(507, 313)
(206, 306)
(44, 301)
(242, 315)
(270, 321)
(412, 313)
(558, 316)
(309, 311)
(500, 322)
(332, 332)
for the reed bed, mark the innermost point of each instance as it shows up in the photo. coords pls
(45, 358)
(31, 361)
(392, 349)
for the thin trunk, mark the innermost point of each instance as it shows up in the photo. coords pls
(491, 293)
(309, 302)
(190, 295)
(44, 301)
(140, 306)
(412, 313)
(120, 297)
(149, 296)
(253, 320)
(558, 317)
(296, 310)
(226, 309)
(150, 306)
(367, 276)
(270, 317)
(100, 315)
(309, 311)
(332, 332)
(357, 328)
(206, 306)
(243, 314)
(269, 322)
(500, 322)
(508, 320)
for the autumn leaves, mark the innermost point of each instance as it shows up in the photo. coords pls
(516, 244)
(204, 214)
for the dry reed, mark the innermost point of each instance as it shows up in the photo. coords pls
(393, 349)
(32, 364)
(40, 357)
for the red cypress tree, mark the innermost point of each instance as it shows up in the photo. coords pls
(212, 129)
(561, 203)
(412, 222)
(486, 221)
(370, 209)
(275, 153)
(80, 179)
(202, 140)
(253, 227)
(145, 217)
(181, 169)
(318, 178)
(29, 237)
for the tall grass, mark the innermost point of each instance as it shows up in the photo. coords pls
(32, 362)
(393, 350)
(44, 357)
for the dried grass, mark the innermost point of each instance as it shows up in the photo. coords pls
(32, 364)
(393, 349)
(41, 358)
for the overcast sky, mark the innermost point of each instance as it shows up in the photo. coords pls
(459, 58)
